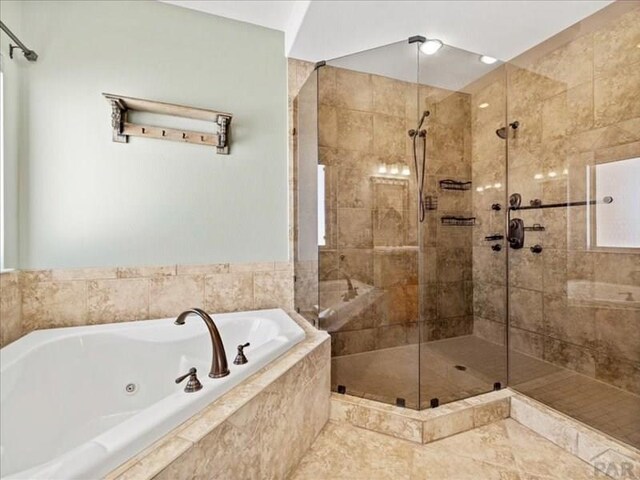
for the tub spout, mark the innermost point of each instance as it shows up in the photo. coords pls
(219, 366)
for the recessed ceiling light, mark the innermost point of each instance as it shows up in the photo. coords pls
(483, 105)
(429, 47)
(488, 60)
(538, 176)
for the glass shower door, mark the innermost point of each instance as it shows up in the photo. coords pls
(574, 161)
(369, 256)
(463, 314)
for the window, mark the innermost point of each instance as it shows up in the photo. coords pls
(616, 224)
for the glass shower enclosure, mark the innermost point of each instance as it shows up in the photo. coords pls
(387, 226)
(464, 224)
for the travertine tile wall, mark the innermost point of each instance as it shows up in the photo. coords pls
(489, 168)
(578, 105)
(371, 233)
(61, 298)
(448, 287)
(10, 307)
(372, 228)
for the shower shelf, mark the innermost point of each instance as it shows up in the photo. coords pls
(123, 128)
(449, 184)
(458, 221)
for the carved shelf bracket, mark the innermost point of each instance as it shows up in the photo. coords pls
(122, 129)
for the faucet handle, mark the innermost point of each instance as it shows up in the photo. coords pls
(193, 385)
(241, 359)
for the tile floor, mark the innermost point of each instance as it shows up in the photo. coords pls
(388, 374)
(502, 451)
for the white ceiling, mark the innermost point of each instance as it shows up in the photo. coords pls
(320, 29)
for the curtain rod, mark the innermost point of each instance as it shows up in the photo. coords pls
(28, 53)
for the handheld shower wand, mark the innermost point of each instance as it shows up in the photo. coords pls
(414, 134)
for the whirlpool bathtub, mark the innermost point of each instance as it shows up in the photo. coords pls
(77, 402)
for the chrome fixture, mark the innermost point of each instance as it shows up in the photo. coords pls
(241, 359)
(28, 53)
(219, 366)
(193, 385)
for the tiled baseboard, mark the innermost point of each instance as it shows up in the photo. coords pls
(610, 457)
(613, 458)
(422, 426)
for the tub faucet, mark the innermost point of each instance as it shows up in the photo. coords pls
(219, 366)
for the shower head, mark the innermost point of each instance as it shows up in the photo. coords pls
(417, 131)
(502, 132)
(425, 114)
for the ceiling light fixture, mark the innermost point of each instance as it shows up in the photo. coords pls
(429, 47)
(483, 105)
(487, 60)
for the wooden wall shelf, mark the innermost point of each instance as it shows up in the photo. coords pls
(122, 128)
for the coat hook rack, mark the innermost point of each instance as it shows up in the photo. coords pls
(123, 129)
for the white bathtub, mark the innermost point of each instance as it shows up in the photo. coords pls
(65, 411)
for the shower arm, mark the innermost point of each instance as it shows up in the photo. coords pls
(28, 53)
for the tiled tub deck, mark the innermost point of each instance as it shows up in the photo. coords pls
(259, 429)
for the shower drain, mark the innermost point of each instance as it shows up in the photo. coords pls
(131, 388)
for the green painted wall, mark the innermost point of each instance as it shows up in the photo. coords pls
(86, 201)
(10, 12)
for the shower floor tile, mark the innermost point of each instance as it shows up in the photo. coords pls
(502, 450)
(606, 408)
(388, 374)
